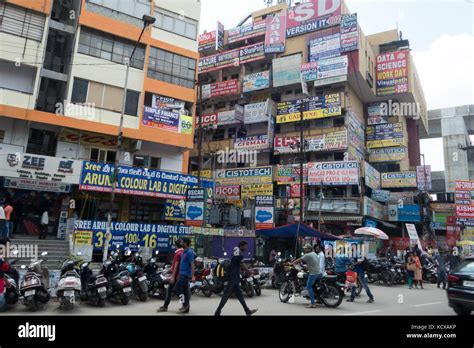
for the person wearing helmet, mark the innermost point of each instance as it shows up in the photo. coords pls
(174, 270)
(233, 285)
(311, 259)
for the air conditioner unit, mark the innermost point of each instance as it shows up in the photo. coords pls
(136, 145)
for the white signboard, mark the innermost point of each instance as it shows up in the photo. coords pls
(411, 229)
(257, 112)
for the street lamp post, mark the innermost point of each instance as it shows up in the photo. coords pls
(147, 20)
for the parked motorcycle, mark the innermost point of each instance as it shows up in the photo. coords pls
(326, 290)
(202, 280)
(278, 272)
(12, 294)
(380, 271)
(69, 285)
(247, 283)
(120, 282)
(157, 278)
(257, 287)
(94, 288)
(35, 284)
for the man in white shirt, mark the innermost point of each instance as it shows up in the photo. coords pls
(2, 222)
(322, 259)
(44, 225)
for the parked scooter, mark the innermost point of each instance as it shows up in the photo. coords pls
(202, 277)
(35, 284)
(12, 294)
(94, 288)
(69, 285)
(157, 278)
(135, 270)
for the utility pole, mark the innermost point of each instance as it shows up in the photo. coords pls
(302, 155)
(147, 20)
(320, 205)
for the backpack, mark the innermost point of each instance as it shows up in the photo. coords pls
(223, 269)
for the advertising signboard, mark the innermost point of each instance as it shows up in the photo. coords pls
(249, 191)
(220, 36)
(207, 41)
(423, 178)
(227, 192)
(372, 177)
(325, 68)
(286, 70)
(318, 106)
(263, 218)
(387, 154)
(252, 53)
(256, 81)
(255, 142)
(384, 135)
(288, 173)
(311, 16)
(219, 61)
(258, 112)
(229, 117)
(329, 141)
(349, 33)
(392, 73)
(276, 33)
(175, 210)
(37, 167)
(161, 118)
(37, 185)
(375, 114)
(380, 195)
(373, 209)
(208, 121)
(246, 31)
(465, 211)
(328, 46)
(398, 179)
(333, 173)
(245, 175)
(414, 239)
(219, 89)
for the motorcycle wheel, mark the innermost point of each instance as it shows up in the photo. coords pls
(67, 305)
(359, 288)
(332, 296)
(370, 279)
(206, 289)
(143, 296)
(249, 291)
(101, 302)
(258, 290)
(124, 299)
(387, 279)
(284, 293)
(33, 305)
(433, 279)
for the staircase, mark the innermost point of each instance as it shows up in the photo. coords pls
(57, 249)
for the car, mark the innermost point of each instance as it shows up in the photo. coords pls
(461, 287)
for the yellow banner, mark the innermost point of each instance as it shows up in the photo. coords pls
(384, 143)
(250, 191)
(83, 237)
(310, 115)
(205, 173)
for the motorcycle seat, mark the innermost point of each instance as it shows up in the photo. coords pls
(330, 277)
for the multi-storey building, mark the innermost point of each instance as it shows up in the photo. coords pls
(360, 158)
(62, 82)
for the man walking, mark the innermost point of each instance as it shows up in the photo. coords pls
(441, 269)
(186, 273)
(315, 272)
(233, 283)
(44, 225)
(174, 275)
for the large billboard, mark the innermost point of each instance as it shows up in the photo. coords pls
(328, 46)
(254, 142)
(398, 179)
(246, 31)
(252, 53)
(276, 33)
(392, 73)
(286, 70)
(245, 175)
(349, 33)
(325, 68)
(384, 135)
(219, 89)
(333, 173)
(329, 141)
(318, 106)
(258, 112)
(219, 61)
(387, 154)
(311, 16)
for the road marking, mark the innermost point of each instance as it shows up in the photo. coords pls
(358, 313)
(426, 304)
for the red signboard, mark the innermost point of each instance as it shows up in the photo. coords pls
(464, 185)
(295, 190)
(465, 211)
(309, 16)
(276, 33)
(209, 120)
(228, 192)
(220, 89)
(207, 40)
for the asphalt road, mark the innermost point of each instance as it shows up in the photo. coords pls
(396, 300)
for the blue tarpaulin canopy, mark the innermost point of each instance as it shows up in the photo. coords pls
(291, 231)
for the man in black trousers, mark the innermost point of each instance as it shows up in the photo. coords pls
(233, 285)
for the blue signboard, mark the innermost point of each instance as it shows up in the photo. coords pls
(175, 209)
(370, 223)
(409, 213)
(96, 176)
(131, 235)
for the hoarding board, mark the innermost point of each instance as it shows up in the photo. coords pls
(231, 192)
(392, 73)
(375, 114)
(219, 89)
(219, 61)
(249, 191)
(258, 112)
(423, 178)
(264, 218)
(246, 31)
(373, 208)
(286, 70)
(333, 173)
(349, 32)
(398, 179)
(276, 33)
(252, 53)
(255, 142)
(256, 81)
(328, 46)
(372, 177)
(206, 41)
(387, 154)
(385, 135)
(245, 175)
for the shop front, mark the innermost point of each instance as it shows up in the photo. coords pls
(34, 184)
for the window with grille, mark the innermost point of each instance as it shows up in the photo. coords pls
(171, 68)
(176, 23)
(21, 22)
(113, 48)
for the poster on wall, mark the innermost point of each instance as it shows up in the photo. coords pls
(333, 173)
(392, 73)
(275, 35)
(349, 33)
(256, 81)
(311, 16)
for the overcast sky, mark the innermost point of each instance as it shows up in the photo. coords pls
(441, 35)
